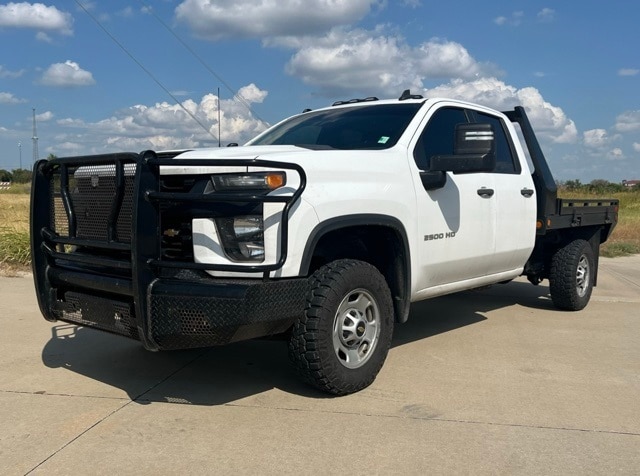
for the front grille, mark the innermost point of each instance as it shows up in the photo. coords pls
(92, 192)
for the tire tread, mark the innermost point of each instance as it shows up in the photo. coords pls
(306, 343)
(562, 276)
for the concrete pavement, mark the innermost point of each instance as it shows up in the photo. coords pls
(494, 381)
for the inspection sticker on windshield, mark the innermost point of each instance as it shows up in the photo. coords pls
(383, 140)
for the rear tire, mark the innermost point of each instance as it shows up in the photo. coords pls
(571, 276)
(341, 342)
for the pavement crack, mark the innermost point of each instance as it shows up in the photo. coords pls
(49, 394)
(79, 435)
(110, 414)
(535, 427)
(448, 420)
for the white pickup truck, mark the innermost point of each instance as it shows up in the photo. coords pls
(326, 226)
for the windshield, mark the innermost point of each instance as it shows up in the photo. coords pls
(360, 127)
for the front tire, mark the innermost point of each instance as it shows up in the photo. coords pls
(572, 275)
(342, 340)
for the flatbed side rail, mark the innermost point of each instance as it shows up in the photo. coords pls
(573, 213)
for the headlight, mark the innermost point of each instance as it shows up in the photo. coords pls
(242, 237)
(266, 181)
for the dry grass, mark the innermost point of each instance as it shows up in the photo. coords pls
(15, 255)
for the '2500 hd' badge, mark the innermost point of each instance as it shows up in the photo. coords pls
(440, 236)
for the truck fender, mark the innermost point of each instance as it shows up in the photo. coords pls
(398, 274)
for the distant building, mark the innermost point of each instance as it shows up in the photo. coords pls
(631, 183)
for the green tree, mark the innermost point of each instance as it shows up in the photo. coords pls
(22, 176)
(573, 185)
(5, 176)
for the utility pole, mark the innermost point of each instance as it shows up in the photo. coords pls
(35, 138)
(20, 153)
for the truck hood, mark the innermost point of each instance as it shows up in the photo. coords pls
(321, 166)
(267, 152)
(310, 159)
(248, 152)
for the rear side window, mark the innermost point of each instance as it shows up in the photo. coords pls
(505, 162)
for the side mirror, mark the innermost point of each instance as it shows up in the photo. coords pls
(474, 150)
(433, 180)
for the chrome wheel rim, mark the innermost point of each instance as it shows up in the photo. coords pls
(356, 328)
(582, 276)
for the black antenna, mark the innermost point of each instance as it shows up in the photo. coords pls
(406, 94)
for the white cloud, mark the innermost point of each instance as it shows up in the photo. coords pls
(7, 74)
(447, 59)
(549, 121)
(628, 121)
(595, 138)
(36, 16)
(615, 154)
(67, 74)
(8, 98)
(346, 61)
(126, 12)
(546, 15)
(515, 19)
(45, 116)
(636, 146)
(42, 36)
(66, 148)
(268, 18)
(628, 72)
(166, 126)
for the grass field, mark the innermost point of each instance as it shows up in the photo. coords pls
(14, 226)
(14, 230)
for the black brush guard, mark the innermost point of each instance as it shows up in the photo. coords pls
(96, 242)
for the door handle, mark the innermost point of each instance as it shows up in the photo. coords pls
(526, 192)
(485, 192)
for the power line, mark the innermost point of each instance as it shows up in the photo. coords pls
(149, 73)
(233, 92)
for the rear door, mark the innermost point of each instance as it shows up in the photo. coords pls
(514, 198)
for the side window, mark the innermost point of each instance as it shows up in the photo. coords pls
(504, 151)
(438, 136)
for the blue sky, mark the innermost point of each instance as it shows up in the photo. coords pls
(573, 65)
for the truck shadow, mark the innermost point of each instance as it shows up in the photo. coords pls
(219, 375)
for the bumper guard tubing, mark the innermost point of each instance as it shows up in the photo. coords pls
(116, 279)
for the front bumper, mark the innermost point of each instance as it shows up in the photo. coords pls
(180, 313)
(100, 258)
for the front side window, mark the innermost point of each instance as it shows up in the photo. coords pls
(438, 136)
(347, 128)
